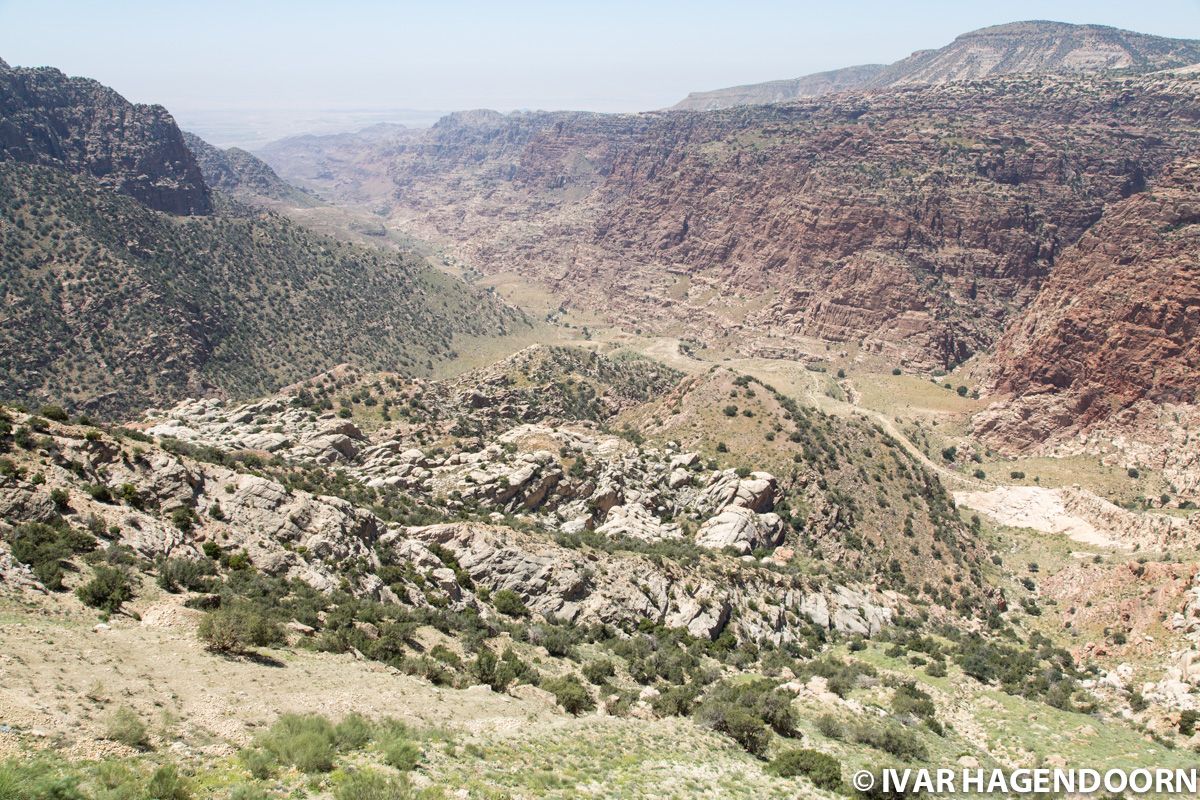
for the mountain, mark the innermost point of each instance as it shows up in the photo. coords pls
(913, 222)
(1035, 47)
(240, 173)
(81, 126)
(109, 303)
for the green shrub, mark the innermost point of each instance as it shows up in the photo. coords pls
(184, 519)
(570, 693)
(37, 779)
(824, 771)
(44, 548)
(306, 741)
(509, 603)
(192, 574)
(126, 727)
(238, 628)
(598, 671)
(259, 762)
(831, 727)
(353, 732)
(56, 413)
(891, 738)
(107, 590)
(167, 784)
(1187, 721)
(61, 499)
(369, 784)
(400, 753)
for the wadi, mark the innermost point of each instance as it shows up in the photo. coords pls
(732, 449)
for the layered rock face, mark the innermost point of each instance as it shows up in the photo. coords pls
(1111, 339)
(914, 221)
(50, 119)
(1036, 46)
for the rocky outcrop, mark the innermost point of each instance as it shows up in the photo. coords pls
(622, 590)
(82, 126)
(740, 529)
(1030, 47)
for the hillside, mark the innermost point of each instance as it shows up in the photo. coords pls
(109, 306)
(81, 126)
(1034, 47)
(499, 583)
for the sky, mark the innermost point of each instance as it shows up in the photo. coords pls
(237, 60)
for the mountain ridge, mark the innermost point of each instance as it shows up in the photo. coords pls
(1033, 46)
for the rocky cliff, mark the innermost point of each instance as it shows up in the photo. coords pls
(1112, 337)
(1034, 47)
(50, 119)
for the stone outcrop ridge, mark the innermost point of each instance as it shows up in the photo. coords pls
(79, 125)
(1036, 46)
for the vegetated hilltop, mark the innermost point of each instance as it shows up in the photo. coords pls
(916, 221)
(1110, 343)
(111, 305)
(1033, 47)
(84, 127)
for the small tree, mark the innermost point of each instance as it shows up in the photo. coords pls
(509, 603)
(824, 771)
(237, 629)
(570, 694)
(107, 590)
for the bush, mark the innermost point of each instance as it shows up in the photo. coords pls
(44, 548)
(237, 628)
(570, 694)
(599, 671)
(400, 753)
(61, 499)
(509, 603)
(259, 762)
(126, 727)
(831, 727)
(369, 784)
(107, 590)
(192, 574)
(56, 413)
(306, 741)
(1016, 475)
(890, 738)
(167, 784)
(353, 732)
(824, 771)
(1187, 721)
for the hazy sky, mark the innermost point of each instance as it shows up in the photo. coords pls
(610, 56)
